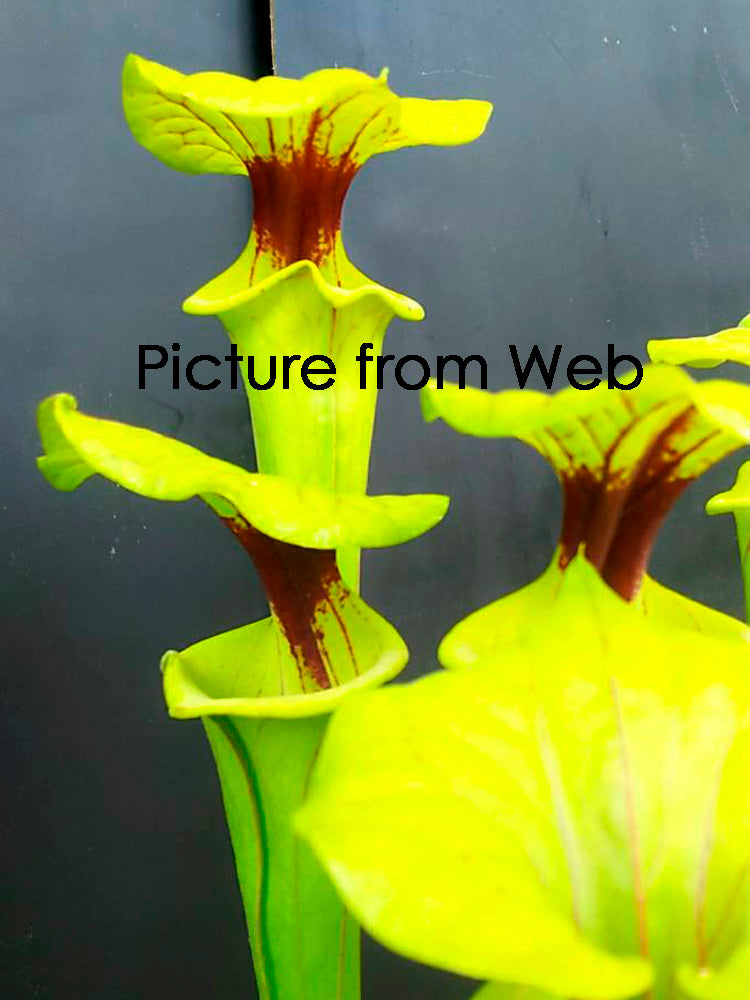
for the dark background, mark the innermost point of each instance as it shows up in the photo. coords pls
(609, 201)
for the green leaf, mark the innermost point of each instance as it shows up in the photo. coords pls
(666, 608)
(734, 500)
(732, 344)
(311, 437)
(300, 142)
(265, 716)
(305, 945)
(577, 822)
(314, 438)
(264, 690)
(622, 457)
(78, 446)
(293, 291)
(219, 123)
(484, 637)
(606, 431)
(729, 983)
(737, 501)
(253, 672)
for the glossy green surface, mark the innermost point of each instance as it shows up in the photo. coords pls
(265, 710)
(78, 446)
(621, 457)
(293, 289)
(732, 344)
(265, 690)
(574, 819)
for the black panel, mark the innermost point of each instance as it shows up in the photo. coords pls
(117, 876)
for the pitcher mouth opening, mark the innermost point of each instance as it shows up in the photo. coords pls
(228, 291)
